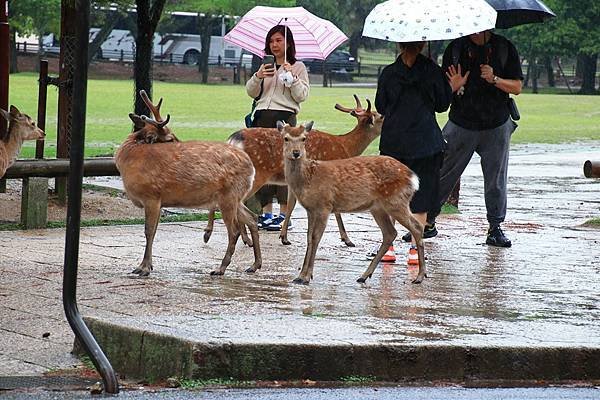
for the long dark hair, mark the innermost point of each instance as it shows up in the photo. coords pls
(291, 45)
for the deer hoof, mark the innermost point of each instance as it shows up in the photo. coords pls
(251, 270)
(300, 281)
(217, 273)
(285, 241)
(361, 280)
(144, 273)
(417, 280)
(207, 236)
(348, 243)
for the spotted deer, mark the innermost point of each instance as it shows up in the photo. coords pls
(265, 146)
(158, 171)
(379, 184)
(20, 128)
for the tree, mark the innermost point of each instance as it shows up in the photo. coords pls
(106, 14)
(37, 17)
(148, 15)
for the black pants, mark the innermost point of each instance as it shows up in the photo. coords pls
(268, 119)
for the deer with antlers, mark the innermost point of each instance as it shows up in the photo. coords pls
(158, 171)
(379, 184)
(265, 146)
(20, 128)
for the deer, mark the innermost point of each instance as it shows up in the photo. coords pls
(159, 170)
(380, 184)
(20, 128)
(265, 145)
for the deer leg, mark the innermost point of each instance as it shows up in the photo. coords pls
(229, 214)
(249, 219)
(317, 221)
(386, 225)
(210, 225)
(408, 220)
(152, 216)
(342, 229)
(291, 201)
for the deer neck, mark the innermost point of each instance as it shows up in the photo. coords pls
(13, 146)
(298, 173)
(357, 140)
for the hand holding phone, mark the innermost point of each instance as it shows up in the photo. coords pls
(267, 68)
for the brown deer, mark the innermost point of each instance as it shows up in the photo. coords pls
(158, 171)
(20, 128)
(379, 184)
(265, 146)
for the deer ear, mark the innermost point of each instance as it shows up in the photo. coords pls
(138, 122)
(308, 127)
(280, 126)
(14, 111)
(5, 114)
(372, 120)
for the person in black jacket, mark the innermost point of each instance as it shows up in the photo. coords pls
(409, 93)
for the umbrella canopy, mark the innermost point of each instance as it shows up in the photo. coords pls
(314, 37)
(418, 20)
(518, 12)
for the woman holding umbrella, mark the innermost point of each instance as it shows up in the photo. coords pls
(409, 93)
(279, 88)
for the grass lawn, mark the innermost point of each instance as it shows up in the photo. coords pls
(213, 112)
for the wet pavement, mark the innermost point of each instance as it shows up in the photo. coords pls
(542, 292)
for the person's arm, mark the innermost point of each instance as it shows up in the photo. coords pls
(380, 97)
(300, 86)
(443, 90)
(253, 86)
(512, 86)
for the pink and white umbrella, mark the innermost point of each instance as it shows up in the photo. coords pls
(314, 37)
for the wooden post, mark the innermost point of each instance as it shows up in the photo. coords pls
(34, 203)
(591, 169)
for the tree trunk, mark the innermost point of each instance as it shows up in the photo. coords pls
(143, 68)
(205, 29)
(14, 67)
(527, 74)
(588, 85)
(534, 75)
(355, 43)
(549, 71)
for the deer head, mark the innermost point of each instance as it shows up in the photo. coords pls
(149, 130)
(294, 139)
(20, 126)
(367, 118)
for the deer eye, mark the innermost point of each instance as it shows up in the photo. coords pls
(287, 139)
(304, 139)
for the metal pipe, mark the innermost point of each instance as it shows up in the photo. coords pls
(60, 167)
(591, 169)
(41, 114)
(111, 384)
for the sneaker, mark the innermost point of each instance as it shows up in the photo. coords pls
(429, 232)
(264, 221)
(389, 256)
(495, 237)
(277, 223)
(413, 256)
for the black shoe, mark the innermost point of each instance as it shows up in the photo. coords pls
(429, 232)
(495, 237)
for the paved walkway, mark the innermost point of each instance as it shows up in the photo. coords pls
(543, 292)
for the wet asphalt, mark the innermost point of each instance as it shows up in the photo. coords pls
(542, 292)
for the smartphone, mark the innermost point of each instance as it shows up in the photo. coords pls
(269, 59)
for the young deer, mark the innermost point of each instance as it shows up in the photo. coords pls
(20, 128)
(160, 171)
(380, 184)
(265, 145)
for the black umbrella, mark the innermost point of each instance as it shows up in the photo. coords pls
(518, 12)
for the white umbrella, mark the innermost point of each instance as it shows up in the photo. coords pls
(419, 20)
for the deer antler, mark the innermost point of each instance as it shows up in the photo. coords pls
(154, 109)
(158, 124)
(359, 110)
(358, 105)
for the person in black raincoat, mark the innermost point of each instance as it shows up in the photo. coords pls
(409, 93)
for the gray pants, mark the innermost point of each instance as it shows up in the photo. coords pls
(492, 145)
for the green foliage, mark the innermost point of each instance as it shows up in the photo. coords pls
(358, 380)
(593, 223)
(202, 383)
(34, 16)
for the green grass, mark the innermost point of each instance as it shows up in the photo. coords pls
(593, 223)
(358, 380)
(112, 222)
(213, 112)
(201, 383)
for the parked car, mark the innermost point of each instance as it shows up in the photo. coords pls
(338, 61)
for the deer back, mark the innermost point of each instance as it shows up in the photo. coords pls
(183, 174)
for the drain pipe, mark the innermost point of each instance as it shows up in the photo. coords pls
(79, 87)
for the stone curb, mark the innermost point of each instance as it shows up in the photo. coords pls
(140, 354)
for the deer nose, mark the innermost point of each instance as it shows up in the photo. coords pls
(296, 153)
